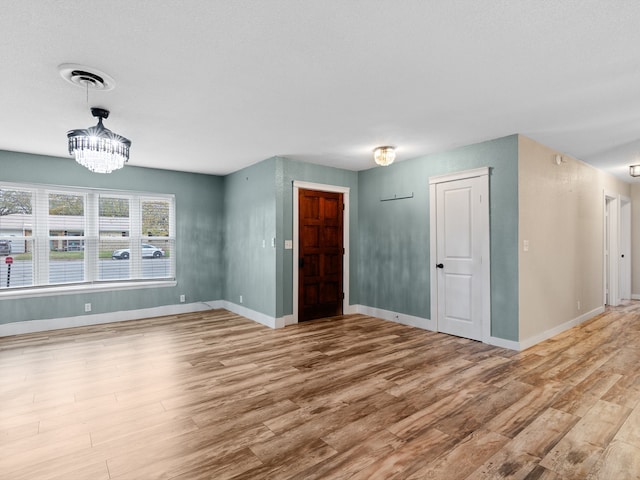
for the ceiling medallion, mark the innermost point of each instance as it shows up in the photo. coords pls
(86, 77)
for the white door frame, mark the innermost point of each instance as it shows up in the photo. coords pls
(618, 230)
(484, 238)
(610, 253)
(625, 248)
(297, 185)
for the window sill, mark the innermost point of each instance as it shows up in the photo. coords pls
(82, 288)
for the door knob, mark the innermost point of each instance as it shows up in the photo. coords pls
(439, 265)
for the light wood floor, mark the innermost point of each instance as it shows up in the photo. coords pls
(213, 396)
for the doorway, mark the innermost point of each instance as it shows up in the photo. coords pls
(460, 254)
(320, 250)
(610, 253)
(617, 249)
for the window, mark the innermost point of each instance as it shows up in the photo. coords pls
(61, 236)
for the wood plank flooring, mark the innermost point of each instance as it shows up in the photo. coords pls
(211, 395)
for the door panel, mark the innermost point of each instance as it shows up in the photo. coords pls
(321, 253)
(459, 250)
(458, 235)
(458, 298)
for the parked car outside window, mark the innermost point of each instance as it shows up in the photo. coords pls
(5, 247)
(148, 251)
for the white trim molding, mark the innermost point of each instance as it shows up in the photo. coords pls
(450, 177)
(57, 290)
(259, 317)
(503, 343)
(402, 318)
(552, 332)
(33, 326)
(424, 323)
(611, 246)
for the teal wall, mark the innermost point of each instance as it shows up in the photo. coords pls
(199, 229)
(288, 171)
(393, 237)
(259, 206)
(223, 221)
(250, 219)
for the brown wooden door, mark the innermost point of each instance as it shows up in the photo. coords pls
(320, 254)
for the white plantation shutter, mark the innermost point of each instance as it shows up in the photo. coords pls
(63, 251)
(65, 235)
(114, 235)
(157, 231)
(16, 232)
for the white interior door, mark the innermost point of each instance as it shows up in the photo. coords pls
(461, 240)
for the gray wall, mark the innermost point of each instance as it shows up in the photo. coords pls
(394, 235)
(199, 228)
(259, 207)
(250, 220)
(288, 171)
(222, 223)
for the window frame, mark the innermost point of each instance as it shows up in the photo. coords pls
(41, 241)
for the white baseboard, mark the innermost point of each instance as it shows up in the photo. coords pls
(269, 321)
(635, 296)
(503, 343)
(423, 323)
(531, 341)
(350, 309)
(402, 318)
(32, 326)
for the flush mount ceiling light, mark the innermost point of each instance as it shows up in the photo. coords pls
(98, 148)
(634, 170)
(384, 156)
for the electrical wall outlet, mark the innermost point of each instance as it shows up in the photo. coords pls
(87, 307)
(182, 298)
(240, 298)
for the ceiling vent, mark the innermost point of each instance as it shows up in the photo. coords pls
(86, 77)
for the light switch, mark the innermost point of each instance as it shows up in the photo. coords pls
(288, 244)
(525, 245)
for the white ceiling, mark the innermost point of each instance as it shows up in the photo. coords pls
(213, 86)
